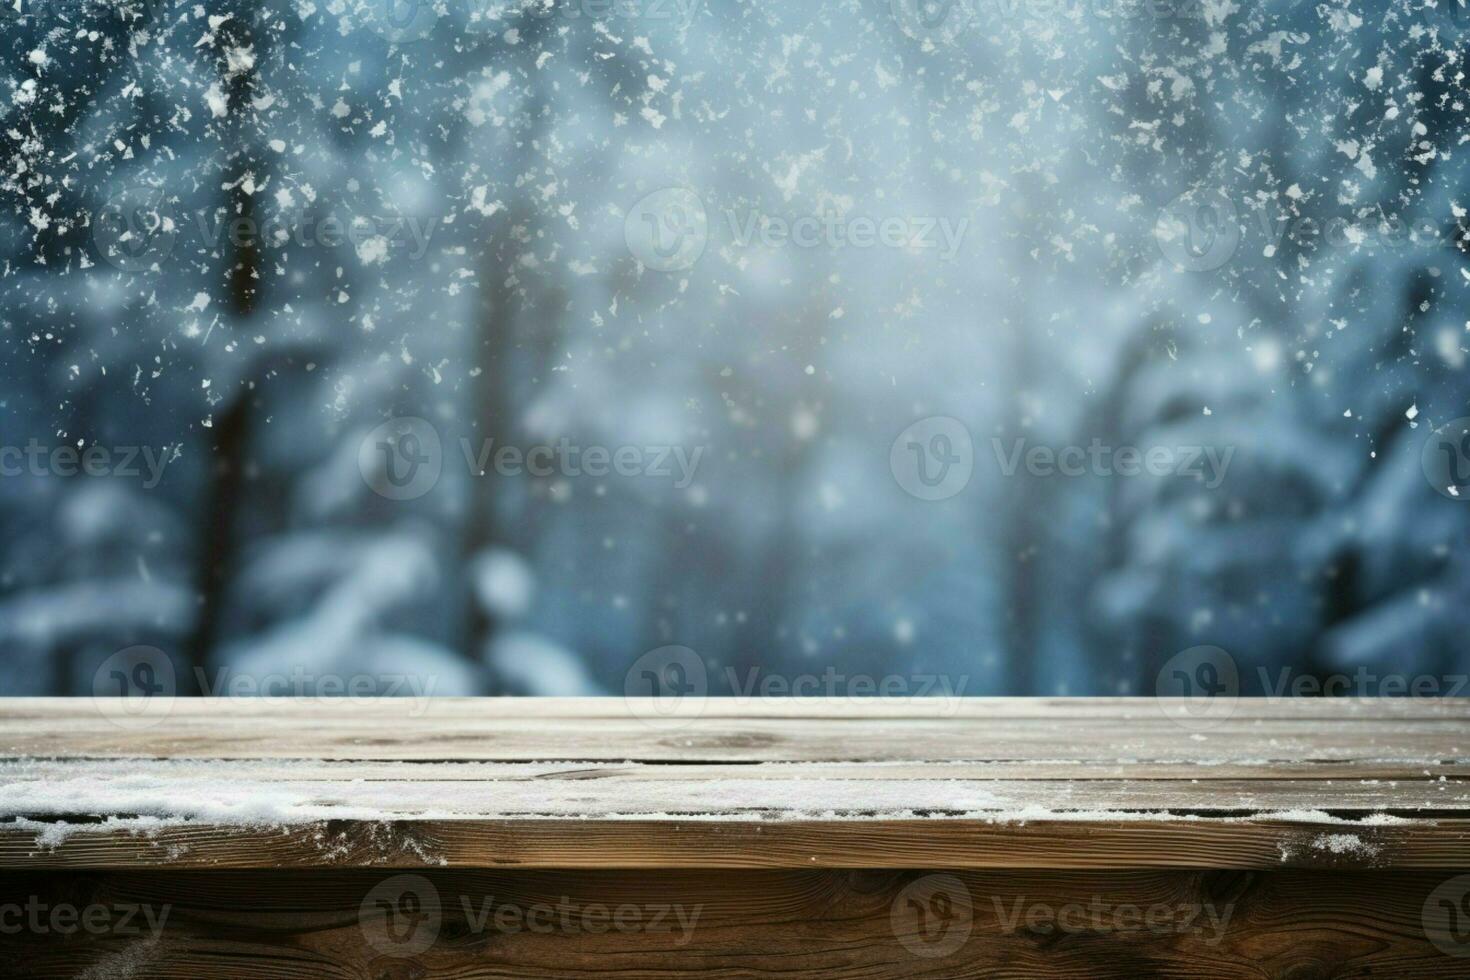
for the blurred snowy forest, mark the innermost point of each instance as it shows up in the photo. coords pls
(518, 140)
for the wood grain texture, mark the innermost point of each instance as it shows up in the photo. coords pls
(834, 924)
(1402, 731)
(570, 839)
(1098, 842)
(1002, 783)
(476, 791)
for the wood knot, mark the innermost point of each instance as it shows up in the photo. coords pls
(393, 968)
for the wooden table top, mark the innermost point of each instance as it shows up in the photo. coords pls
(559, 783)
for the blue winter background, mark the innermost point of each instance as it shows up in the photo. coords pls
(524, 134)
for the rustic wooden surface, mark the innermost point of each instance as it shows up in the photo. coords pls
(1296, 925)
(1402, 732)
(996, 783)
(1299, 840)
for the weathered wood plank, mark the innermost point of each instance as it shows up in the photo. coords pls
(831, 924)
(756, 707)
(1097, 842)
(265, 783)
(1411, 731)
(1326, 828)
(295, 791)
(20, 769)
